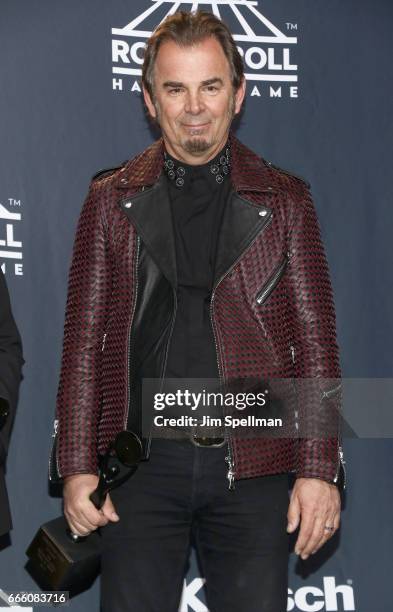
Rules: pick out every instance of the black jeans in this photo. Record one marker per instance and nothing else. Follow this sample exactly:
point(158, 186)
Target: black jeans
point(180, 495)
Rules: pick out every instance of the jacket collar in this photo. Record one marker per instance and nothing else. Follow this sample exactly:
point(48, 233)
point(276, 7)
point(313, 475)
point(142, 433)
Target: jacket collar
point(149, 211)
point(249, 172)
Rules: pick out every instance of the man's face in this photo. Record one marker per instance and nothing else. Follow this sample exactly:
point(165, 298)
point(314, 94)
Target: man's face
point(194, 101)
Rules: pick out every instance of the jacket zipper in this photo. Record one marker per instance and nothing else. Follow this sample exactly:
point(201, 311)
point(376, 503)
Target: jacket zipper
point(340, 452)
point(229, 458)
point(341, 463)
point(327, 394)
point(268, 287)
point(292, 349)
point(53, 455)
point(125, 422)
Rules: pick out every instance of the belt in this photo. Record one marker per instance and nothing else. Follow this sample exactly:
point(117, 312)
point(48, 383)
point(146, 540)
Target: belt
point(204, 441)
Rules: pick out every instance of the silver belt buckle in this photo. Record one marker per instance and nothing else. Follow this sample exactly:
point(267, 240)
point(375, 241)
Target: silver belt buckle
point(207, 441)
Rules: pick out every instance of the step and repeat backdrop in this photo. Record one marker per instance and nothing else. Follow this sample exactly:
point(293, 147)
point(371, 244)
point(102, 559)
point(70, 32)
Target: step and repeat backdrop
point(318, 103)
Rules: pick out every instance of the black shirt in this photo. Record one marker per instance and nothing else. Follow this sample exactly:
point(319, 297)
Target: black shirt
point(197, 204)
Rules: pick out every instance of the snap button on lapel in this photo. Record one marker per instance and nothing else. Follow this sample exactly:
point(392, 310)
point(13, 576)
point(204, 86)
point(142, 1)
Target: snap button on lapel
point(263, 213)
point(128, 205)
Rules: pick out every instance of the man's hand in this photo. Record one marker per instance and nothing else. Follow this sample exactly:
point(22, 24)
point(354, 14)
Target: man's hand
point(81, 514)
point(318, 504)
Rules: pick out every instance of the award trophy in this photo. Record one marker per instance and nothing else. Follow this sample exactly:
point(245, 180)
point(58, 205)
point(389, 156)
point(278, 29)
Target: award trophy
point(62, 561)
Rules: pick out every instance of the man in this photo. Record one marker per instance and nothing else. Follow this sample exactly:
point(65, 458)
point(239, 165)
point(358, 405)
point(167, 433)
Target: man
point(196, 259)
point(11, 361)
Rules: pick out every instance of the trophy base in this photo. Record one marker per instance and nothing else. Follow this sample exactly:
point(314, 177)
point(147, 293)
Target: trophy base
point(58, 564)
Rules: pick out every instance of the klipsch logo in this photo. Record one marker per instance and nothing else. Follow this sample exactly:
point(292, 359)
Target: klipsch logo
point(331, 597)
point(10, 247)
point(266, 50)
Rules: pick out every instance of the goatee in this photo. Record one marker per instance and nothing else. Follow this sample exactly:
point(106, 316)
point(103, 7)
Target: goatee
point(196, 145)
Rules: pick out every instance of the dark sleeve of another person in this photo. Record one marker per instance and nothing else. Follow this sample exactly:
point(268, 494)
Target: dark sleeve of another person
point(11, 361)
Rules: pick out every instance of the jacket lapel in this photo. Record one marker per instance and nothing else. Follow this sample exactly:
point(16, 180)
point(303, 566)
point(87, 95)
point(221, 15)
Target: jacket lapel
point(241, 223)
point(246, 213)
point(150, 213)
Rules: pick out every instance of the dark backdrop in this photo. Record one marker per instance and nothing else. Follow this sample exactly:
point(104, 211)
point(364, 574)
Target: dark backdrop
point(66, 111)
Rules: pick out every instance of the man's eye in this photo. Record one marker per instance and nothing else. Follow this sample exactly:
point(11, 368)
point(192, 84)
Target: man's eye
point(211, 88)
point(175, 90)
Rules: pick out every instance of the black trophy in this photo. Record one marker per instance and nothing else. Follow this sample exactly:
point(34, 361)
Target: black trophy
point(62, 561)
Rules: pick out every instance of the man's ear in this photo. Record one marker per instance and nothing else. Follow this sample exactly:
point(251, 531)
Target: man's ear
point(149, 102)
point(239, 95)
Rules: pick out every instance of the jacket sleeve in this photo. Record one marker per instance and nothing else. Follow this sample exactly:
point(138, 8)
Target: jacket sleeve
point(78, 398)
point(11, 361)
point(316, 354)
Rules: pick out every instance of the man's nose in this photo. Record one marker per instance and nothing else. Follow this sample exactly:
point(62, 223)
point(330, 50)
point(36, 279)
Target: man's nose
point(194, 103)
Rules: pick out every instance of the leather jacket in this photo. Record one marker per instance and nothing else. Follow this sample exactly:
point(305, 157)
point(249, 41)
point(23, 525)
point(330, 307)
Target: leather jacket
point(272, 311)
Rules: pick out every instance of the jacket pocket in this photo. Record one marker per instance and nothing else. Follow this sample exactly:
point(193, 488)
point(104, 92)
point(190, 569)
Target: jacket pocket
point(272, 281)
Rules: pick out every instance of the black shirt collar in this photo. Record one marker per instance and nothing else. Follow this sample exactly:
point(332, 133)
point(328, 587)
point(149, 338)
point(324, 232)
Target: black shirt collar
point(214, 171)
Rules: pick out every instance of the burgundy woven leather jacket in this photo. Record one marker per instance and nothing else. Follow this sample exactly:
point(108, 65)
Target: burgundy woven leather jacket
point(272, 310)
